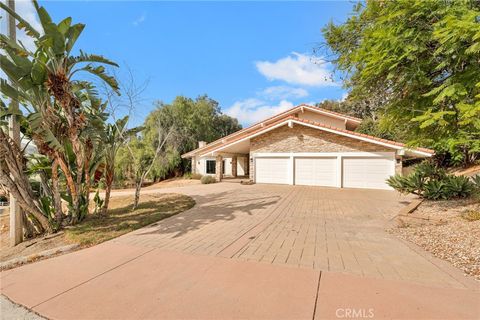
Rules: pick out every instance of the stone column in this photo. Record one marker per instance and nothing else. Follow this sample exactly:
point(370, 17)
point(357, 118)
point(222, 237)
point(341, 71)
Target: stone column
point(251, 168)
point(398, 165)
point(246, 165)
point(218, 168)
point(194, 163)
point(234, 166)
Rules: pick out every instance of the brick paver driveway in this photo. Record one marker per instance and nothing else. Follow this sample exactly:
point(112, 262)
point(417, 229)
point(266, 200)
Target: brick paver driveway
point(252, 252)
point(340, 230)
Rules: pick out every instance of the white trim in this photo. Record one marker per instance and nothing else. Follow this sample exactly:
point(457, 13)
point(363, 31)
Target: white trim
point(362, 138)
point(322, 154)
point(243, 139)
point(340, 171)
point(283, 114)
point(342, 133)
point(291, 170)
point(331, 114)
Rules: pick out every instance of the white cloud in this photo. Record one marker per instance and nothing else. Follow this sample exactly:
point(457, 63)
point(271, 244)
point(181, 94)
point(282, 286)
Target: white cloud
point(140, 19)
point(344, 97)
point(297, 69)
point(26, 10)
point(283, 92)
point(254, 110)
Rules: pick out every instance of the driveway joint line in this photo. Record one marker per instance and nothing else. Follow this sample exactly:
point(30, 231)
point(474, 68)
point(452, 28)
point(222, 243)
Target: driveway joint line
point(90, 279)
point(317, 294)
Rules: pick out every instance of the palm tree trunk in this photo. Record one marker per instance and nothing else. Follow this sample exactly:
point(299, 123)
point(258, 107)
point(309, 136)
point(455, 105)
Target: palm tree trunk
point(72, 187)
point(12, 165)
point(57, 200)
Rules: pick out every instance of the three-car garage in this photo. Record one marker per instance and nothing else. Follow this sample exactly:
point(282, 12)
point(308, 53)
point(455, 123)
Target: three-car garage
point(342, 170)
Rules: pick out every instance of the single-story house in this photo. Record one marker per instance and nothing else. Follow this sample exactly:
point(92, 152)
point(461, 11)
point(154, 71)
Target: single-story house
point(305, 145)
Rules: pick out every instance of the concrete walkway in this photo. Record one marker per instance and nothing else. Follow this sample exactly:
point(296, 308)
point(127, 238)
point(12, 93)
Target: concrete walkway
point(256, 252)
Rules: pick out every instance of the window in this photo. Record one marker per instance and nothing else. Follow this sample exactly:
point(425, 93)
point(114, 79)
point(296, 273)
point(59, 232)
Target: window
point(210, 167)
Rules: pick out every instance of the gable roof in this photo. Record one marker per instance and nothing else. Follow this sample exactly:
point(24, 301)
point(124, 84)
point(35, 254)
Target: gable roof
point(270, 120)
point(352, 134)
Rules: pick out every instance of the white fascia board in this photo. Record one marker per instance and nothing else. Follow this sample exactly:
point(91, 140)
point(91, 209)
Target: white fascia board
point(324, 154)
point(332, 115)
point(246, 138)
point(389, 145)
point(363, 138)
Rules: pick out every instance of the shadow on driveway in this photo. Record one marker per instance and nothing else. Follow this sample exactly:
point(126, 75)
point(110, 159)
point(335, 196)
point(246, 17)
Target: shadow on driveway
point(210, 208)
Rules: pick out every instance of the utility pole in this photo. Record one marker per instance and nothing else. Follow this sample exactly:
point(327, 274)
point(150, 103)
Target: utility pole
point(16, 219)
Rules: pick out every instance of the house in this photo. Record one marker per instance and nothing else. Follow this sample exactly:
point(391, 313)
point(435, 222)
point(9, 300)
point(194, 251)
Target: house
point(305, 145)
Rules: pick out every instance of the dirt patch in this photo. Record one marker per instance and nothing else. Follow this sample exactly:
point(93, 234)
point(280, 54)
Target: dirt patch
point(173, 183)
point(170, 183)
point(447, 230)
point(99, 228)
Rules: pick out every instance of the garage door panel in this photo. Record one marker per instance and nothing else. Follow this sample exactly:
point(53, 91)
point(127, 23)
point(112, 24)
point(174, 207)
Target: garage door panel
point(370, 173)
point(272, 170)
point(315, 171)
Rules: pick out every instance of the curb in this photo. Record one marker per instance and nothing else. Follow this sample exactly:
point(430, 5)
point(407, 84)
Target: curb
point(37, 256)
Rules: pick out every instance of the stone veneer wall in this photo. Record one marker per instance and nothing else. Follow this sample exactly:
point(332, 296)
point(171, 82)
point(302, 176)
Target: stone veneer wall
point(305, 139)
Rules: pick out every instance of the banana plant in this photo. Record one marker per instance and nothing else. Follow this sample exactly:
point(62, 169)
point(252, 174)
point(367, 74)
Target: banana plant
point(117, 135)
point(62, 112)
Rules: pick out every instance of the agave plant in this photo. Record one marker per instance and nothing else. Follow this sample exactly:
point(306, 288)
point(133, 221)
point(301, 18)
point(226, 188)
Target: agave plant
point(62, 113)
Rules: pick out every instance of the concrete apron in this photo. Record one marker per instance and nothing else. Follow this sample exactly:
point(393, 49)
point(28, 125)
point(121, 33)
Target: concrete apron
point(119, 281)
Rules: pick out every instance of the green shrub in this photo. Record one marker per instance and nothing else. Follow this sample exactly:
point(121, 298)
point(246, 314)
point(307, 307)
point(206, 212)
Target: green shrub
point(435, 190)
point(187, 175)
point(207, 179)
point(459, 186)
point(431, 182)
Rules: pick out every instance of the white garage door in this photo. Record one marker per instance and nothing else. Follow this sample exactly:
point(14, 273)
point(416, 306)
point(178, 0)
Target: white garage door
point(368, 173)
point(316, 171)
point(272, 170)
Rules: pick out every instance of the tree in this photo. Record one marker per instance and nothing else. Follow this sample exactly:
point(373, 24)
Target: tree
point(117, 134)
point(140, 156)
point(61, 112)
point(194, 120)
point(418, 64)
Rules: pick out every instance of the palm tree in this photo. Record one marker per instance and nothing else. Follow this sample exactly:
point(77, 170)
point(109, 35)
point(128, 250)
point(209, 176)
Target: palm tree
point(62, 113)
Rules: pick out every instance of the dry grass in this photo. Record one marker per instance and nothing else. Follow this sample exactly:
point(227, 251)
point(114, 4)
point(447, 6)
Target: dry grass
point(99, 228)
point(471, 215)
point(121, 219)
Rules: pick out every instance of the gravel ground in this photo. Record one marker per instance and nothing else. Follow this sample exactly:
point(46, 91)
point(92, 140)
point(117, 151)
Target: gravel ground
point(447, 235)
point(13, 311)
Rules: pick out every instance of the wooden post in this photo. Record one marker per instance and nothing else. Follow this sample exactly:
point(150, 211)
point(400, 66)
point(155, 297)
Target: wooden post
point(16, 221)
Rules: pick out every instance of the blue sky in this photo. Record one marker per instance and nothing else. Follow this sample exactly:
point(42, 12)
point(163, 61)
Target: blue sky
point(252, 57)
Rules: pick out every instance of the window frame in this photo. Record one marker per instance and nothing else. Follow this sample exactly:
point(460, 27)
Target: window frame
point(207, 167)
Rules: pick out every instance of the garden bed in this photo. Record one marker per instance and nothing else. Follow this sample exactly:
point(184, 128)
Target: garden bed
point(99, 228)
point(449, 229)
